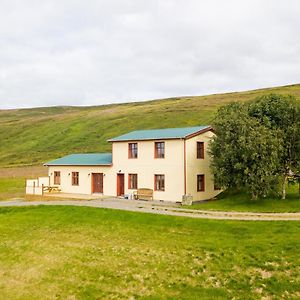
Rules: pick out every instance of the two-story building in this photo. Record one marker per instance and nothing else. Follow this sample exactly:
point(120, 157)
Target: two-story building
point(173, 162)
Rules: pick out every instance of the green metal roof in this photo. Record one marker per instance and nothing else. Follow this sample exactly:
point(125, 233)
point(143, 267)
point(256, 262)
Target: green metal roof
point(154, 134)
point(88, 159)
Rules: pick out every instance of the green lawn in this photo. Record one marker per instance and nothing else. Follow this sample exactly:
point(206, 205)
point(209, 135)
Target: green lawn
point(12, 187)
point(88, 253)
point(238, 201)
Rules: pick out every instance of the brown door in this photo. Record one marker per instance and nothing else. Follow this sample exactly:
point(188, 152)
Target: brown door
point(120, 184)
point(97, 183)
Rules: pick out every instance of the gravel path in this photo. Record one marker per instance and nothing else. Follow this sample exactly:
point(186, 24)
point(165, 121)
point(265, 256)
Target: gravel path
point(162, 208)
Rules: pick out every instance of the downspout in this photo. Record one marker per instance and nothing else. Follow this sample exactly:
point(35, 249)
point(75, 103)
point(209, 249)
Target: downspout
point(184, 172)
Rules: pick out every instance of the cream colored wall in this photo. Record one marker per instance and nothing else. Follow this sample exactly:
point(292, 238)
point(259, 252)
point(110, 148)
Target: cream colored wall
point(172, 166)
point(85, 180)
point(199, 166)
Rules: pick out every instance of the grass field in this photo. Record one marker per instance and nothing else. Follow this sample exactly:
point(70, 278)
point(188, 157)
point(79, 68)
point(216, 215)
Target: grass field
point(239, 201)
point(86, 253)
point(33, 136)
point(12, 188)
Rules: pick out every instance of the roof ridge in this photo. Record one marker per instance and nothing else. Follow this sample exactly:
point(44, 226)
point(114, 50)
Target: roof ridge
point(160, 133)
point(171, 128)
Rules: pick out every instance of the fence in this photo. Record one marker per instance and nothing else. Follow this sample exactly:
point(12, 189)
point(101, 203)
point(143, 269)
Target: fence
point(37, 186)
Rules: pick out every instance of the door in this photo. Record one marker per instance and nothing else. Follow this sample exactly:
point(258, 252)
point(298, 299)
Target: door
point(120, 184)
point(97, 182)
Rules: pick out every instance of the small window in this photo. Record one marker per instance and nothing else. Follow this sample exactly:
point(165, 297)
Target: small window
point(75, 178)
point(159, 182)
point(159, 150)
point(56, 177)
point(200, 183)
point(132, 150)
point(132, 181)
point(200, 150)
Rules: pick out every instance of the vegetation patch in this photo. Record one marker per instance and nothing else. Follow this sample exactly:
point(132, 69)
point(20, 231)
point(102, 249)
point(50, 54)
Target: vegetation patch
point(233, 200)
point(12, 188)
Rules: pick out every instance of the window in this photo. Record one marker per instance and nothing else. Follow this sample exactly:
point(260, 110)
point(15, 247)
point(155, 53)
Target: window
point(75, 178)
point(200, 183)
point(159, 182)
point(132, 150)
point(159, 150)
point(132, 181)
point(200, 150)
point(56, 177)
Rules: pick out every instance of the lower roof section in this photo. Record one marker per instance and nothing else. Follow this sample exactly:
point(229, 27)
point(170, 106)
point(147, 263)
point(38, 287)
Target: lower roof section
point(86, 159)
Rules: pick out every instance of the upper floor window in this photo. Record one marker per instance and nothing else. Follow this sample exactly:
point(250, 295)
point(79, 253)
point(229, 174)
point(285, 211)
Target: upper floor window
point(200, 150)
point(159, 182)
point(75, 178)
point(200, 183)
point(56, 177)
point(132, 150)
point(159, 150)
point(132, 181)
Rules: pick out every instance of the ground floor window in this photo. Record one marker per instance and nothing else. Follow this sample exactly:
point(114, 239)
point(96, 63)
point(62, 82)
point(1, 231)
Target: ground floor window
point(56, 177)
point(75, 178)
point(159, 182)
point(132, 181)
point(200, 183)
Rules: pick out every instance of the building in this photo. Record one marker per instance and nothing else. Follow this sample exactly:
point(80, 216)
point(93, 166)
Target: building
point(172, 162)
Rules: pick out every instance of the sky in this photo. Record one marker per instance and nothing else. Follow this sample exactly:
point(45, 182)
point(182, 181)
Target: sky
point(93, 52)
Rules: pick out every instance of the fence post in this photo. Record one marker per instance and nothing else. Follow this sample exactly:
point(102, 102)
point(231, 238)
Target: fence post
point(33, 192)
point(42, 189)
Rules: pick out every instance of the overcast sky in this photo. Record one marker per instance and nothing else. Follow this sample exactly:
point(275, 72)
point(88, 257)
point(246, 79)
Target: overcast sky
point(90, 52)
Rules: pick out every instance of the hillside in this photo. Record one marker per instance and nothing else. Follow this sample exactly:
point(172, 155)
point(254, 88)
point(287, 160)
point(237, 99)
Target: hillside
point(33, 136)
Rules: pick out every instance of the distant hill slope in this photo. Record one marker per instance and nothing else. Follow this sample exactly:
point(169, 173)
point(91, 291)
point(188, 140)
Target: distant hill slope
point(32, 136)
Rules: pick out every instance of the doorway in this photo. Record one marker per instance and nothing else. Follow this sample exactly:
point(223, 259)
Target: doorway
point(120, 184)
point(97, 183)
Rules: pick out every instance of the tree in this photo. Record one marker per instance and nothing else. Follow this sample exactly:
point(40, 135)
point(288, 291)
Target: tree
point(281, 113)
point(245, 153)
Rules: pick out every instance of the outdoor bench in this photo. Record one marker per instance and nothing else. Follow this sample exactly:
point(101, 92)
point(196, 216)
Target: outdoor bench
point(144, 194)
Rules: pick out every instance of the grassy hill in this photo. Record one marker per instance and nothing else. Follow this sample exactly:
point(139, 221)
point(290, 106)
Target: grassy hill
point(32, 136)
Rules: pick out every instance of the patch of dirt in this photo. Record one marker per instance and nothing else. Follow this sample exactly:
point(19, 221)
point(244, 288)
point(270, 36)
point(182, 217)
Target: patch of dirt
point(261, 272)
point(28, 172)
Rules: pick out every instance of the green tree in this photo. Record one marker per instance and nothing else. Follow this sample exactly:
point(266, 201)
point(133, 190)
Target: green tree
point(245, 153)
point(281, 113)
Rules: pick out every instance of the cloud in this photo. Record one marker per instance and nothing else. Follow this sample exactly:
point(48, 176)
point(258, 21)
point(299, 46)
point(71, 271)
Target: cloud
point(94, 52)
